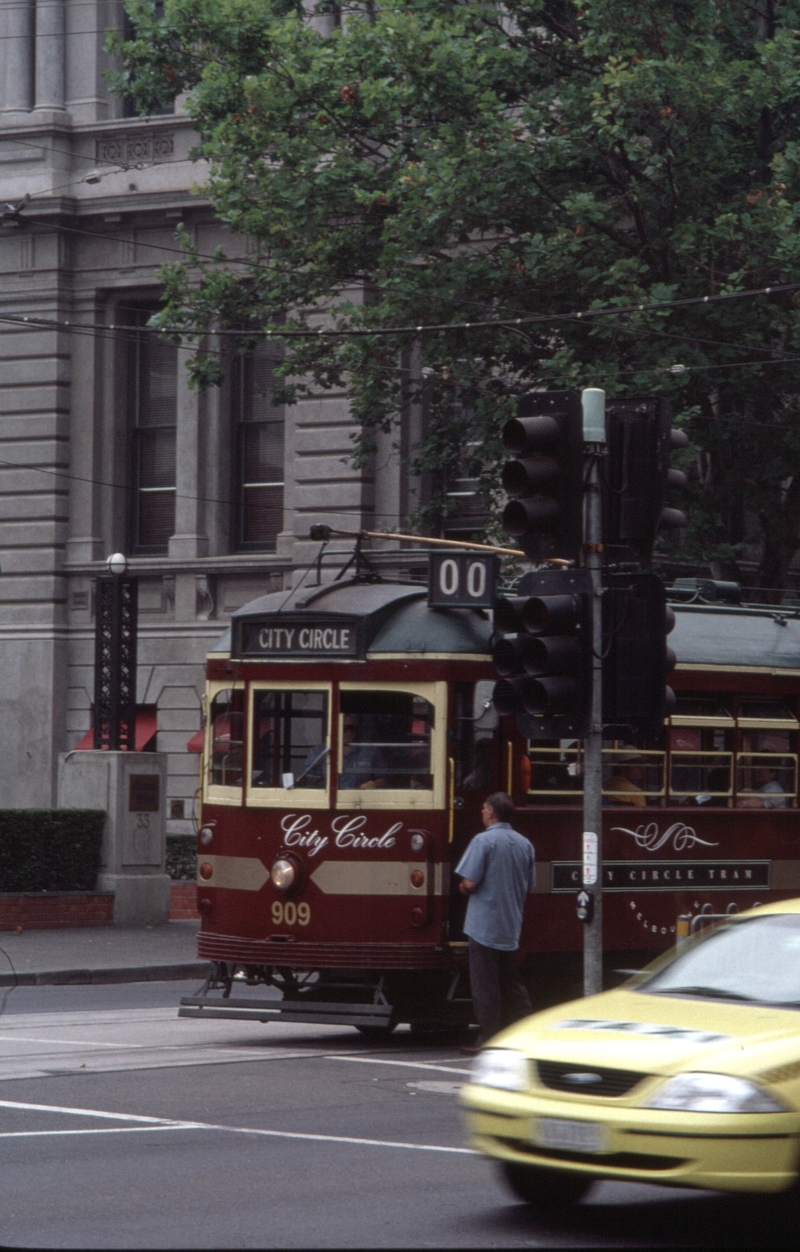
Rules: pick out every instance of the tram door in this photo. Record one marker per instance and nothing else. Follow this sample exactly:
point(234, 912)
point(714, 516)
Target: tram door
point(474, 750)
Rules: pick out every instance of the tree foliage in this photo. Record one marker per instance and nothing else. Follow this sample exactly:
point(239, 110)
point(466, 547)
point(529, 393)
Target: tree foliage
point(443, 161)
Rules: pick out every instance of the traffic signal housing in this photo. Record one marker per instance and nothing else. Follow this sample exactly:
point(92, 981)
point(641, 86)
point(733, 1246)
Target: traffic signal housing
point(545, 480)
point(640, 438)
point(636, 658)
point(543, 654)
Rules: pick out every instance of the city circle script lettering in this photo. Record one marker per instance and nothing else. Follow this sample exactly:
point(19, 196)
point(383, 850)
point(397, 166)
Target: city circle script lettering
point(346, 832)
point(651, 838)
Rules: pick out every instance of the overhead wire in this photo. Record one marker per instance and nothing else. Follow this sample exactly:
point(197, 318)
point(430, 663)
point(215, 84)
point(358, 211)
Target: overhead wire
point(439, 327)
point(132, 488)
point(43, 229)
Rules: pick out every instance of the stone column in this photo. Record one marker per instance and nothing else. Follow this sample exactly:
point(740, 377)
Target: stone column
point(190, 539)
point(17, 83)
point(50, 45)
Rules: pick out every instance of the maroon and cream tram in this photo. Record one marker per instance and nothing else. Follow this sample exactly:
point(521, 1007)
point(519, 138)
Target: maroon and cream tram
point(350, 742)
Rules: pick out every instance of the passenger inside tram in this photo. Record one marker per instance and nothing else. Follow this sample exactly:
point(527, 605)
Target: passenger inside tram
point(767, 792)
point(386, 741)
point(364, 767)
point(627, 782)
point(717, 783)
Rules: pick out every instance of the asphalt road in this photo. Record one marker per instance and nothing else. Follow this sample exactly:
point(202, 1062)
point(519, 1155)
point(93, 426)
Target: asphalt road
point(122, 1126)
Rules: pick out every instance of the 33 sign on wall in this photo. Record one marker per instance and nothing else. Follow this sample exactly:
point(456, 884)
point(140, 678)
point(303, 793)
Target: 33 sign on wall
point(464, 580)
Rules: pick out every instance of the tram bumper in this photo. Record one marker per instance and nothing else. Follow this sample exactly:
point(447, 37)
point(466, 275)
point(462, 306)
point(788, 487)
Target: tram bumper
point(317, 1012)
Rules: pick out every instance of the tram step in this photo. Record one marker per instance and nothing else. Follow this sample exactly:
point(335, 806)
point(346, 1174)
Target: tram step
point(317, 1012)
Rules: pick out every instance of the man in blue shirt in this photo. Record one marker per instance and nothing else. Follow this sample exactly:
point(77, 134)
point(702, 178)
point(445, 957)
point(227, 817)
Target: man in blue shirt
point(497, 872)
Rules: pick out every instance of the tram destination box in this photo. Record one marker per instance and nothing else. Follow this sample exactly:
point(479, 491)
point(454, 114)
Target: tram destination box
point(309, 635)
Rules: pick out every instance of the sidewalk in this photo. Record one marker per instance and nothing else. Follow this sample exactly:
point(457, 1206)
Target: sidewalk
point(100, 954)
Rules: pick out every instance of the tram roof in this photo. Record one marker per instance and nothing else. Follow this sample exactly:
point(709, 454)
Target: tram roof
point(394, 618)
point(398, 620)
point(745, 638)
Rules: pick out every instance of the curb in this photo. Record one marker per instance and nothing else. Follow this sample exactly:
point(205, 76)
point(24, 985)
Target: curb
point(125, 973)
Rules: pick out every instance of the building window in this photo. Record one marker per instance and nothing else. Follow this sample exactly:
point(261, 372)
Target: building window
point(466, 517)
point(129, 32)
point(153, 407)
point(259, 425)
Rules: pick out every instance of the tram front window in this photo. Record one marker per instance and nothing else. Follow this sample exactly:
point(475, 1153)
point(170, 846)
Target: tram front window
point(290, 739)
point(385, 741)
point(227, 724)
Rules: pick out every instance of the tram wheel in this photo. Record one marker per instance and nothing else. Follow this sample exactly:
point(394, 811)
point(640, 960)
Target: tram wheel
point(546, 1188)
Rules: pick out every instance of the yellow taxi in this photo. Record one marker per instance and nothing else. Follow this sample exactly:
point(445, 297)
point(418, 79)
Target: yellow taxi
point(688, 1075)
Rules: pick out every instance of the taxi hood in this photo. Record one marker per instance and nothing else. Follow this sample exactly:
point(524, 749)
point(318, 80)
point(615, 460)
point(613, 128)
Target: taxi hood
point(659, 1034)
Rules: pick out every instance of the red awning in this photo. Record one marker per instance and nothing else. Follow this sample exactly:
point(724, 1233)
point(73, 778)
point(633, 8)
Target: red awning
point(146, 728)
point(197, 741)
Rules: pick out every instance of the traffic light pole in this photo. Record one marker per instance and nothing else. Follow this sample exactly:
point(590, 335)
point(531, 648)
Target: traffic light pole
point(594, 436)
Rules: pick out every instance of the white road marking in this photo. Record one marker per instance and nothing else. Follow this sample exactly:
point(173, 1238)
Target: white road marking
point(369, 1143)
point(73, 1112)
point(104, 1130)
point(163, 1123)
point(70, 1043)
point(438, 1088)
point(368, 1060)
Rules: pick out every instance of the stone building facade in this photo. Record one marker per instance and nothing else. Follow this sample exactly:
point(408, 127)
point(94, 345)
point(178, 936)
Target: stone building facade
point(103, 446)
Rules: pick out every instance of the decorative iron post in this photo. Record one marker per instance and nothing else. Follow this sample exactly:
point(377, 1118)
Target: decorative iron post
point(115, 658)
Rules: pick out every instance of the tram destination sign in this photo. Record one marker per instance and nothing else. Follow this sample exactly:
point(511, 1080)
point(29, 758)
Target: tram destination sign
point(462, 580)
point(297, 637)
point(666, 875)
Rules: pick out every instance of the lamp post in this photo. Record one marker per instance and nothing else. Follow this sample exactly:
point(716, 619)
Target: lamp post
point(115, 658)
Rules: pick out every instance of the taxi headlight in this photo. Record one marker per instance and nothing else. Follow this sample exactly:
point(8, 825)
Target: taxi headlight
point(501, 1067)
point(713, 1093)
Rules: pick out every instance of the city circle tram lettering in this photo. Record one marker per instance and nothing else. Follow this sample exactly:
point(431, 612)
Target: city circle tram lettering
point(666, 875)
point(288, 638)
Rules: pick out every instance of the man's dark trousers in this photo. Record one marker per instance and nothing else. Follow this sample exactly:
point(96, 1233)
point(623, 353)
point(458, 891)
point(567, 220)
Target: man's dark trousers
point(498, 995)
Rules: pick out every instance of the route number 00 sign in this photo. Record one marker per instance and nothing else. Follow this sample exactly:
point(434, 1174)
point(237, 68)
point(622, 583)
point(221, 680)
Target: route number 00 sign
point(462, 580)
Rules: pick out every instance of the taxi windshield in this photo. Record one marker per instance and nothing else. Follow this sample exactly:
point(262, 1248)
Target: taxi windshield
point(757, 959)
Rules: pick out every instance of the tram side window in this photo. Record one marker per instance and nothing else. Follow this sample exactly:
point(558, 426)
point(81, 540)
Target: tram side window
point(555, 774)
point(385, 741)
point(766, 765)
point(631, 775)
point(227, 727)
point(290, 737)
point(701, 740)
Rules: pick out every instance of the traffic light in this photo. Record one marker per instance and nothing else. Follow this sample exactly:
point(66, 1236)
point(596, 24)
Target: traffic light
point(543, 654)
point(636, 658)
point(545, 512)
point(640, 438)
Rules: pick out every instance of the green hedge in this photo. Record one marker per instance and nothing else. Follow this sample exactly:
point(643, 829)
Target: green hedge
point(182, 857)
point(50, 849)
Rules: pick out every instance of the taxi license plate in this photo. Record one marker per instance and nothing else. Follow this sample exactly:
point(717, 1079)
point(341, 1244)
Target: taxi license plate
point(561, 1132)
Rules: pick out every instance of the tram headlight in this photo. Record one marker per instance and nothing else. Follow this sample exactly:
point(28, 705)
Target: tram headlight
point(283, 874)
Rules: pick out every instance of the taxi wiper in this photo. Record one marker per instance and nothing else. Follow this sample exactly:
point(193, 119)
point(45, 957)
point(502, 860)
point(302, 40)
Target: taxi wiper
point(715, 993)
